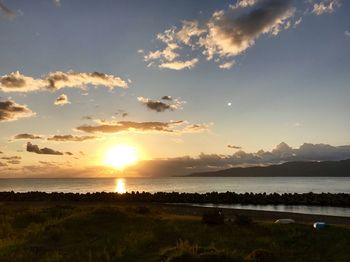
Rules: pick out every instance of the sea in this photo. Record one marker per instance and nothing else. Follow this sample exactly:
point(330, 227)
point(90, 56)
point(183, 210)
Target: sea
point(195, 184)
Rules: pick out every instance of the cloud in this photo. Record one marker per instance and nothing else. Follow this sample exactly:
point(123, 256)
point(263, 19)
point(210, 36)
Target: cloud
point(27, 136)
point(47, 151)
point(17, 82)
point(325, 6)
point(11, 111)
point(69, 153)
point(59, 80)
point(87, 117)
point(71, 138)
point(234, 147)
point(196, 128)
point(167, 98)
point(179, 65)
point(243, 4)
point(298, 22)
point(49, 163)
point(227, 65)
point(172, 127)
point(210, 162)
point(6, 11)
point(10, 158)
point(228, 33)
point(188, 30)
point(128, 126)
point(57, 3)
point(57, 169)
point(2, 164)
point(122, 113)
point(14, 162)
point(59, 138)
point(62, 100)
point(160, 106)
point(187, 164)
point(347, 33)
point(157, 106)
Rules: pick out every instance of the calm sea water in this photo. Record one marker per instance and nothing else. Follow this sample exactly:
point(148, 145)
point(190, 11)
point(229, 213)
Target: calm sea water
point(181, 184)
point(197, 184)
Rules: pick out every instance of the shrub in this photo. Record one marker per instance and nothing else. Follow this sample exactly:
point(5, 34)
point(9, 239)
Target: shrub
point(261, 255)
point(143, 210)
point(213, 217)
point(242, 220)
point(186, 252)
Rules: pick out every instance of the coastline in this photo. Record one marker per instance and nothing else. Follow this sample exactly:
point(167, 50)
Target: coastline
point(259, 215)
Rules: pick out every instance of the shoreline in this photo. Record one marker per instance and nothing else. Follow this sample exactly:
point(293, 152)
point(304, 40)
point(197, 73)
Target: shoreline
point(260, 215)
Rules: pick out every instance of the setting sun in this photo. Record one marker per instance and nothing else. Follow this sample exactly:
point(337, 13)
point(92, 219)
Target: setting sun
point(121, 156)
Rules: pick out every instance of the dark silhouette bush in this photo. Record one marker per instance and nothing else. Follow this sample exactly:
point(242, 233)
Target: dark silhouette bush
point(322, 199)
point(261, 255)
point(213, 217)
point(143, 210)
point(242, 220)
point(186, 252)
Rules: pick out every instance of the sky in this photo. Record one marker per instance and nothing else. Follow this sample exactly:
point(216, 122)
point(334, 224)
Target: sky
point(190, 85)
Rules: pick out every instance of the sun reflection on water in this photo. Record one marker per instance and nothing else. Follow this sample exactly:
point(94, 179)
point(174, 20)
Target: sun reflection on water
point(120, 186)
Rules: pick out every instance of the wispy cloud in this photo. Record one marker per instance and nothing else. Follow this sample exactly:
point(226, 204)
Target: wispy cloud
point(196, 128)
point(71, 138)
point(227, 65)
point(129, 126)
point(325, 6)
point(243, 4)
point(57, 3)
point(14, 162)
point(172, 127)
point(6, 11)
point(27, 136)
point(179, 65)
point(9, 158)
point(87, 118)
point(11, 111)
point(17, 82)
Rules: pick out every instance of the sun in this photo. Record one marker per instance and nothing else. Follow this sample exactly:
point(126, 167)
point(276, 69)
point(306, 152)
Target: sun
point(121, 156)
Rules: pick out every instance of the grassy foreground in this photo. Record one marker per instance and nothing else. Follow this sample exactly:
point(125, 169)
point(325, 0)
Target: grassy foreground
point(69, 231)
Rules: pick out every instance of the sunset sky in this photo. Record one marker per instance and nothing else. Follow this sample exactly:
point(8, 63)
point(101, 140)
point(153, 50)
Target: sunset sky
point(190, 85)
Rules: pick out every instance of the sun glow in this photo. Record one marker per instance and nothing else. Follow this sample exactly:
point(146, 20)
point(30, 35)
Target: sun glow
point(120, 186)
point(121, 156)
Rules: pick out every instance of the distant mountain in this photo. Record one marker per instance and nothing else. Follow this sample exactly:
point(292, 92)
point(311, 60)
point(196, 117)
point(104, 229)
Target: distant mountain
point(288, 169)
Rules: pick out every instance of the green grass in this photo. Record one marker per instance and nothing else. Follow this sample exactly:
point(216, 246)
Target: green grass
point(120, 232)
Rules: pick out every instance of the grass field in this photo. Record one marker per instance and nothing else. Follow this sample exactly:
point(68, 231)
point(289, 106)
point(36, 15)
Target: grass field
point(69, 231)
